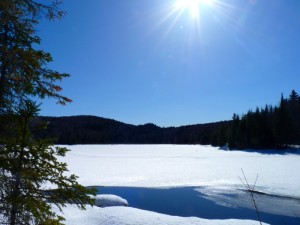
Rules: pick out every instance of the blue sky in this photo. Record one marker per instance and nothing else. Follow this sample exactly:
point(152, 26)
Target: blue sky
point(140, 61)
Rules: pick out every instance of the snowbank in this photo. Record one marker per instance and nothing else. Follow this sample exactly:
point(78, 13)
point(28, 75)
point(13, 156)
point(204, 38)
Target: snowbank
point(110, 200)
point(130, 216)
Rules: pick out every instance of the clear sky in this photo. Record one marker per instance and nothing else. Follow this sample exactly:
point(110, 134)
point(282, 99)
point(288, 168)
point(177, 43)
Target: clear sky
point(173, 62)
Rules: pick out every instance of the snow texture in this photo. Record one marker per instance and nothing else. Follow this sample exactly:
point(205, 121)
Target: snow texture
point(183, 165)
point(110, 200)
point(130, 216)
point(171, 166)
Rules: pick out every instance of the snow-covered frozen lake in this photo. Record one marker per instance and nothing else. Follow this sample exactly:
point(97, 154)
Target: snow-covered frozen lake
point(183, 165)
point(215, 171)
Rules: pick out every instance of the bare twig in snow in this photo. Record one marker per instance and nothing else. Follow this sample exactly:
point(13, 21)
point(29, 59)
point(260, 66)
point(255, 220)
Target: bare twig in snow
point(251, 191)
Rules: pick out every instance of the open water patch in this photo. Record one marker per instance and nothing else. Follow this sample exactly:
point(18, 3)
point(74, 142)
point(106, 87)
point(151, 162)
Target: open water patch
point(203, 203)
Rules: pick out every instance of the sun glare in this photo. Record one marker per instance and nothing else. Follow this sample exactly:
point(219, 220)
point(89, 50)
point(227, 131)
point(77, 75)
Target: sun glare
point(193, 6)
point(190, 16)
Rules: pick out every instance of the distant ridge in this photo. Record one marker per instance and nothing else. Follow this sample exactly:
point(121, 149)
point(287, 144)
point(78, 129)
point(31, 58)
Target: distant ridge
point(268, 127)
point(98, 130)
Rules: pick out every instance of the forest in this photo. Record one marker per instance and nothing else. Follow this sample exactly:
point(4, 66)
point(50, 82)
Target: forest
point(276, 127)
point(97, 130)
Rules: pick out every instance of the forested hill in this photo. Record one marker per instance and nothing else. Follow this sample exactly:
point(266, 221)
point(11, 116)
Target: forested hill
point(266, 127)
point(97, 130)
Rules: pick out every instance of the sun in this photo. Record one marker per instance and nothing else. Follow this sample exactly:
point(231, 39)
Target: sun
point(190, 17)
point(193, 6)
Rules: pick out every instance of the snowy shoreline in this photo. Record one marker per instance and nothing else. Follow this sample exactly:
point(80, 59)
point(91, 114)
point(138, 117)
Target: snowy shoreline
point(167, 166)
point(119, 215)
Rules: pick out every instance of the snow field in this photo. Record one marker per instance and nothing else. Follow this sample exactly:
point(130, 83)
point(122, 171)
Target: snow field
point(182, 165)
point(172, 166)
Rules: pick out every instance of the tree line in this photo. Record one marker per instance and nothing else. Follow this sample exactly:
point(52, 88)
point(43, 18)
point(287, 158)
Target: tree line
point(269, 127)
point(97, 130)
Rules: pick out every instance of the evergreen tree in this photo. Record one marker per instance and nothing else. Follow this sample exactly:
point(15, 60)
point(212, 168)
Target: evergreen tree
point(27, 163)
point(285, 126)
point(294, 97)
point(22, 68)
point(268, 127)
point(294, 112)
point(233, 131)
